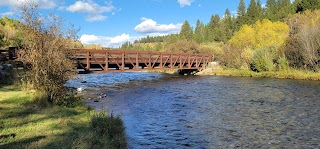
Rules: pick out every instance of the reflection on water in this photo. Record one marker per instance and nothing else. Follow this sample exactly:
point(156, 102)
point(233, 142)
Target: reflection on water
point(216, 112)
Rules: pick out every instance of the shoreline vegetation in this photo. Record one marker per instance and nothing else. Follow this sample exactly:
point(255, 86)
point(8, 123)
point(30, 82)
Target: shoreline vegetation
point(28, 122)
point(283, 74)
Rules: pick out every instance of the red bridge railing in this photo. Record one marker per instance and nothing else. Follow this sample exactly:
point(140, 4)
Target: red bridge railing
point(125, 60)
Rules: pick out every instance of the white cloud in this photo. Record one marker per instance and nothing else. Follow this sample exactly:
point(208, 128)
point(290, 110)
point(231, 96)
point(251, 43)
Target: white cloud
point(96, 17)
point(105, 41)
point(10, 13)
point(149, 26)
point(44, 4)
point(185, 2)
point(94, 11)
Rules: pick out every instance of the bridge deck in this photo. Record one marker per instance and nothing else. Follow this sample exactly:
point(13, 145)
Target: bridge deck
point(125, 60)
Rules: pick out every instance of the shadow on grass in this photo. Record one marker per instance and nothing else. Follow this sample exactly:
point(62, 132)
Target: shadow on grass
point(21, 143)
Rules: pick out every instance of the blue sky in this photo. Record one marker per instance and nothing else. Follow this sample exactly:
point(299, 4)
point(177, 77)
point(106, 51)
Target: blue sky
point(111, 23)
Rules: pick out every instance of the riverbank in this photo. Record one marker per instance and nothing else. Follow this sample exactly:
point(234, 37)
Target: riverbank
point(27, 123)
point(286, 74)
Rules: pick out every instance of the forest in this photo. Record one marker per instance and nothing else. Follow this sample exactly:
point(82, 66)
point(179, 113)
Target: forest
point(276, 36)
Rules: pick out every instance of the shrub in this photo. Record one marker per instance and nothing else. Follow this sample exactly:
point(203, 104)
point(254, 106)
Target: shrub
point(283, 63)
point(46, 48)
point(69, 100)
point(303, 48)
point(231, 57)
point(6, 74)
point(215, 48)
point(108, 128)
point(184, 45)
point(247, 56)
point(263, 60)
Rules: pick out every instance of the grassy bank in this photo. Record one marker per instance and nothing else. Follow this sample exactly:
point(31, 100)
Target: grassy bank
point(25, 123)
point(287, 74)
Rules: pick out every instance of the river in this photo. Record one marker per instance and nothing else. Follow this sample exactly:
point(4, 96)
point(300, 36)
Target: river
point(165, 111)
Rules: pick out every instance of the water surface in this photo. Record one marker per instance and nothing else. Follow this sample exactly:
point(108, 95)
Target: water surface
point(161, 111)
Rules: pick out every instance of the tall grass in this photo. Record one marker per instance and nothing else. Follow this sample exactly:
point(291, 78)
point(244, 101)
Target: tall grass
point(290, 73)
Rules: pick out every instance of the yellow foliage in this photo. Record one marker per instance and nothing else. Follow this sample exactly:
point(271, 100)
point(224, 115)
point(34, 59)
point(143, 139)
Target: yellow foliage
point(94, 46)
point(247, 55)
point(261, 34)
point(245, 37)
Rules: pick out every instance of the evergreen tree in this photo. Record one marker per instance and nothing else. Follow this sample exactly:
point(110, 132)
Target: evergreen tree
point(186, 31)
point(285, 9)
point(199, 32)
point(212, 28)
point(253, 12)
point(303, 5)
point(271, 10)
point(241, 15)
point(241, 8)
point(260, 10)
point(214, 21)
point(227, 26)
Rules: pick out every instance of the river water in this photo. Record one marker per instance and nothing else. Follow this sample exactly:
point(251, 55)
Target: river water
point(164, 111)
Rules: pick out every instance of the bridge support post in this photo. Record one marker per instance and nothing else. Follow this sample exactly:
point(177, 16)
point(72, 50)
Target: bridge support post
point(122, 61)
point(196, 61)
point(180, 61)
point(88, 61)
point(161, 61)
point(149, 64)
point(171, 63)
point(189, 61)
point(137, 61)
point(106, 67)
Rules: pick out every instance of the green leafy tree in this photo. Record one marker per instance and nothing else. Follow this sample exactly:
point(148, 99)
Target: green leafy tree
point(9, 32)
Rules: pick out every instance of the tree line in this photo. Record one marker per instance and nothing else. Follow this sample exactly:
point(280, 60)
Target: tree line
point(259, 37)
point(221, 29)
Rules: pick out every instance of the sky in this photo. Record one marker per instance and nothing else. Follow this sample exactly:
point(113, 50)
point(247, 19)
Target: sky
point(110, 23)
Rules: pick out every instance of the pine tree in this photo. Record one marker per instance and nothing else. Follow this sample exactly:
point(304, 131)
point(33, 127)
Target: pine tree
point(260, 10)
point(211, 28)
point(241, 8)
point(199, 32)
point(241, 15)
point(253, 12)
point(285, 8)
point(303, 5)
point(227, 26)
point(186, 31)
point(271, 10)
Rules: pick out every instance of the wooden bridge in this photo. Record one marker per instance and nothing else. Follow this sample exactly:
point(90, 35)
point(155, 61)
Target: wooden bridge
point(125, 60)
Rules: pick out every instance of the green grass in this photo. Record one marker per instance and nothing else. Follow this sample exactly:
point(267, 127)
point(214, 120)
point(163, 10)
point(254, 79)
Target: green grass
point(285, 74)
point(50, 126)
